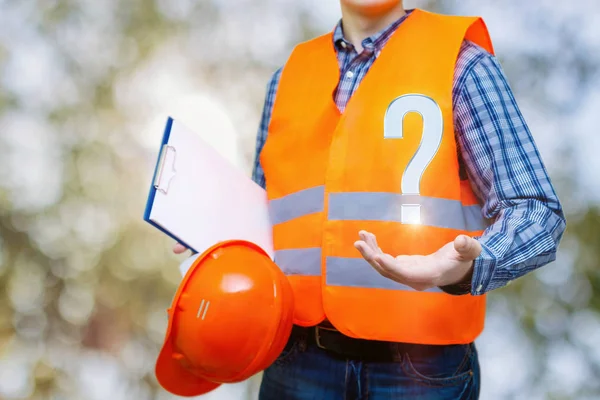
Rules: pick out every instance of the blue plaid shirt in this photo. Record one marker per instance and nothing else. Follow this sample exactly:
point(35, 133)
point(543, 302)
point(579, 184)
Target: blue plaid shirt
point(497, 153)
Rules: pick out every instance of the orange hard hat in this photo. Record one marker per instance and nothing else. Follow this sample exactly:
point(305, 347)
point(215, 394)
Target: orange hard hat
point(230, 319)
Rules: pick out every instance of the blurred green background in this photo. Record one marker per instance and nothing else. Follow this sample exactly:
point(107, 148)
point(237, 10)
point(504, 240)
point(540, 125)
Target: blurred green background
point(85, 88)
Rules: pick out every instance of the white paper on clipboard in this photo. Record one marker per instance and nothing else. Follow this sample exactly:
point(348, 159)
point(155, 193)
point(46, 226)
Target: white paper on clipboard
point(201, 199)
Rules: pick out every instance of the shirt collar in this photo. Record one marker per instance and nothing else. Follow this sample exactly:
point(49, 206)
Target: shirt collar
point(374, 42)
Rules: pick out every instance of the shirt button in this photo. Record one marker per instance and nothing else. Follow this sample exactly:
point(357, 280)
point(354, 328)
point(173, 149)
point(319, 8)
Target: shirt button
point(349, 74)
point(478, 290)
point(343, 44)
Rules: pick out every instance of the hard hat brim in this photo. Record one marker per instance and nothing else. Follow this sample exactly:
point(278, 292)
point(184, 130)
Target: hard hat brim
point(177, 380)
point(169, 372)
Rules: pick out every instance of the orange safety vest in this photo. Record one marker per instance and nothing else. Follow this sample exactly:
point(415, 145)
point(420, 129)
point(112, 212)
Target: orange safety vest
point(381, 167)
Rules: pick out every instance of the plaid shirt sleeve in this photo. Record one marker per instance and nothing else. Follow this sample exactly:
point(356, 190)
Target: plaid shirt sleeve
point(507, 174)
point(258, 175)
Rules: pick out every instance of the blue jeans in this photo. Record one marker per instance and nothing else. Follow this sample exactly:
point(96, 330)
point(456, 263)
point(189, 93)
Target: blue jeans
point(305, 372)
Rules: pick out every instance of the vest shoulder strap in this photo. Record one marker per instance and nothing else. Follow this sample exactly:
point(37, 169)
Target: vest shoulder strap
point(474, 27)
point(311, 61)
point(320, 43)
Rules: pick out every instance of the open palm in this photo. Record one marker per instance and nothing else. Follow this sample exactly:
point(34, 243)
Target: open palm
point(449, 265)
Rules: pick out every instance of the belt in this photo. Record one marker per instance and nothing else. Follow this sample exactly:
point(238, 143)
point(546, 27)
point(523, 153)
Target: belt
point(329, 339)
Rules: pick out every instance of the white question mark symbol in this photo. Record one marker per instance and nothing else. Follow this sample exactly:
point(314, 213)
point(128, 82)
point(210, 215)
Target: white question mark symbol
point(433, 128)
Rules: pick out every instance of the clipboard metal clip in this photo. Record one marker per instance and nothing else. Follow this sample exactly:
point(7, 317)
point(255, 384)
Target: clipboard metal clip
point(165, 169)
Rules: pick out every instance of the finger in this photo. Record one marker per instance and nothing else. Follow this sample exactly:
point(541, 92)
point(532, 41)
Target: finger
point(386, 266)
point(364, 237)
point(389, 263)
point(368, 253)
point(365, 250)
point(179, 248)
point(467, 247)
point(370, 239)
point(373, 242)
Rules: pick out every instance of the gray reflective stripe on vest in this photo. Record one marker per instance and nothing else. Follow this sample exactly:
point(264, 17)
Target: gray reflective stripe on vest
point(341, 271)
point(358, 272)
point(306, 262)
point(303, 202)
point(368, 206)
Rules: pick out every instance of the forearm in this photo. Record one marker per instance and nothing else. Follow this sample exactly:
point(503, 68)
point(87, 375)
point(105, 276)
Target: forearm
point(524, 237)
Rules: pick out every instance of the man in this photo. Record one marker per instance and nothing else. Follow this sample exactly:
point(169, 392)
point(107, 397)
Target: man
point(396, 139)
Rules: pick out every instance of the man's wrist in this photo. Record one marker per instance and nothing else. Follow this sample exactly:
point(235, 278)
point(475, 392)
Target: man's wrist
point(462, 287)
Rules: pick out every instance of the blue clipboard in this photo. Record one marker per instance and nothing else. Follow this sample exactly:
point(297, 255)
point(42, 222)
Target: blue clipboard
point(199, 198)
point(154, 187)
